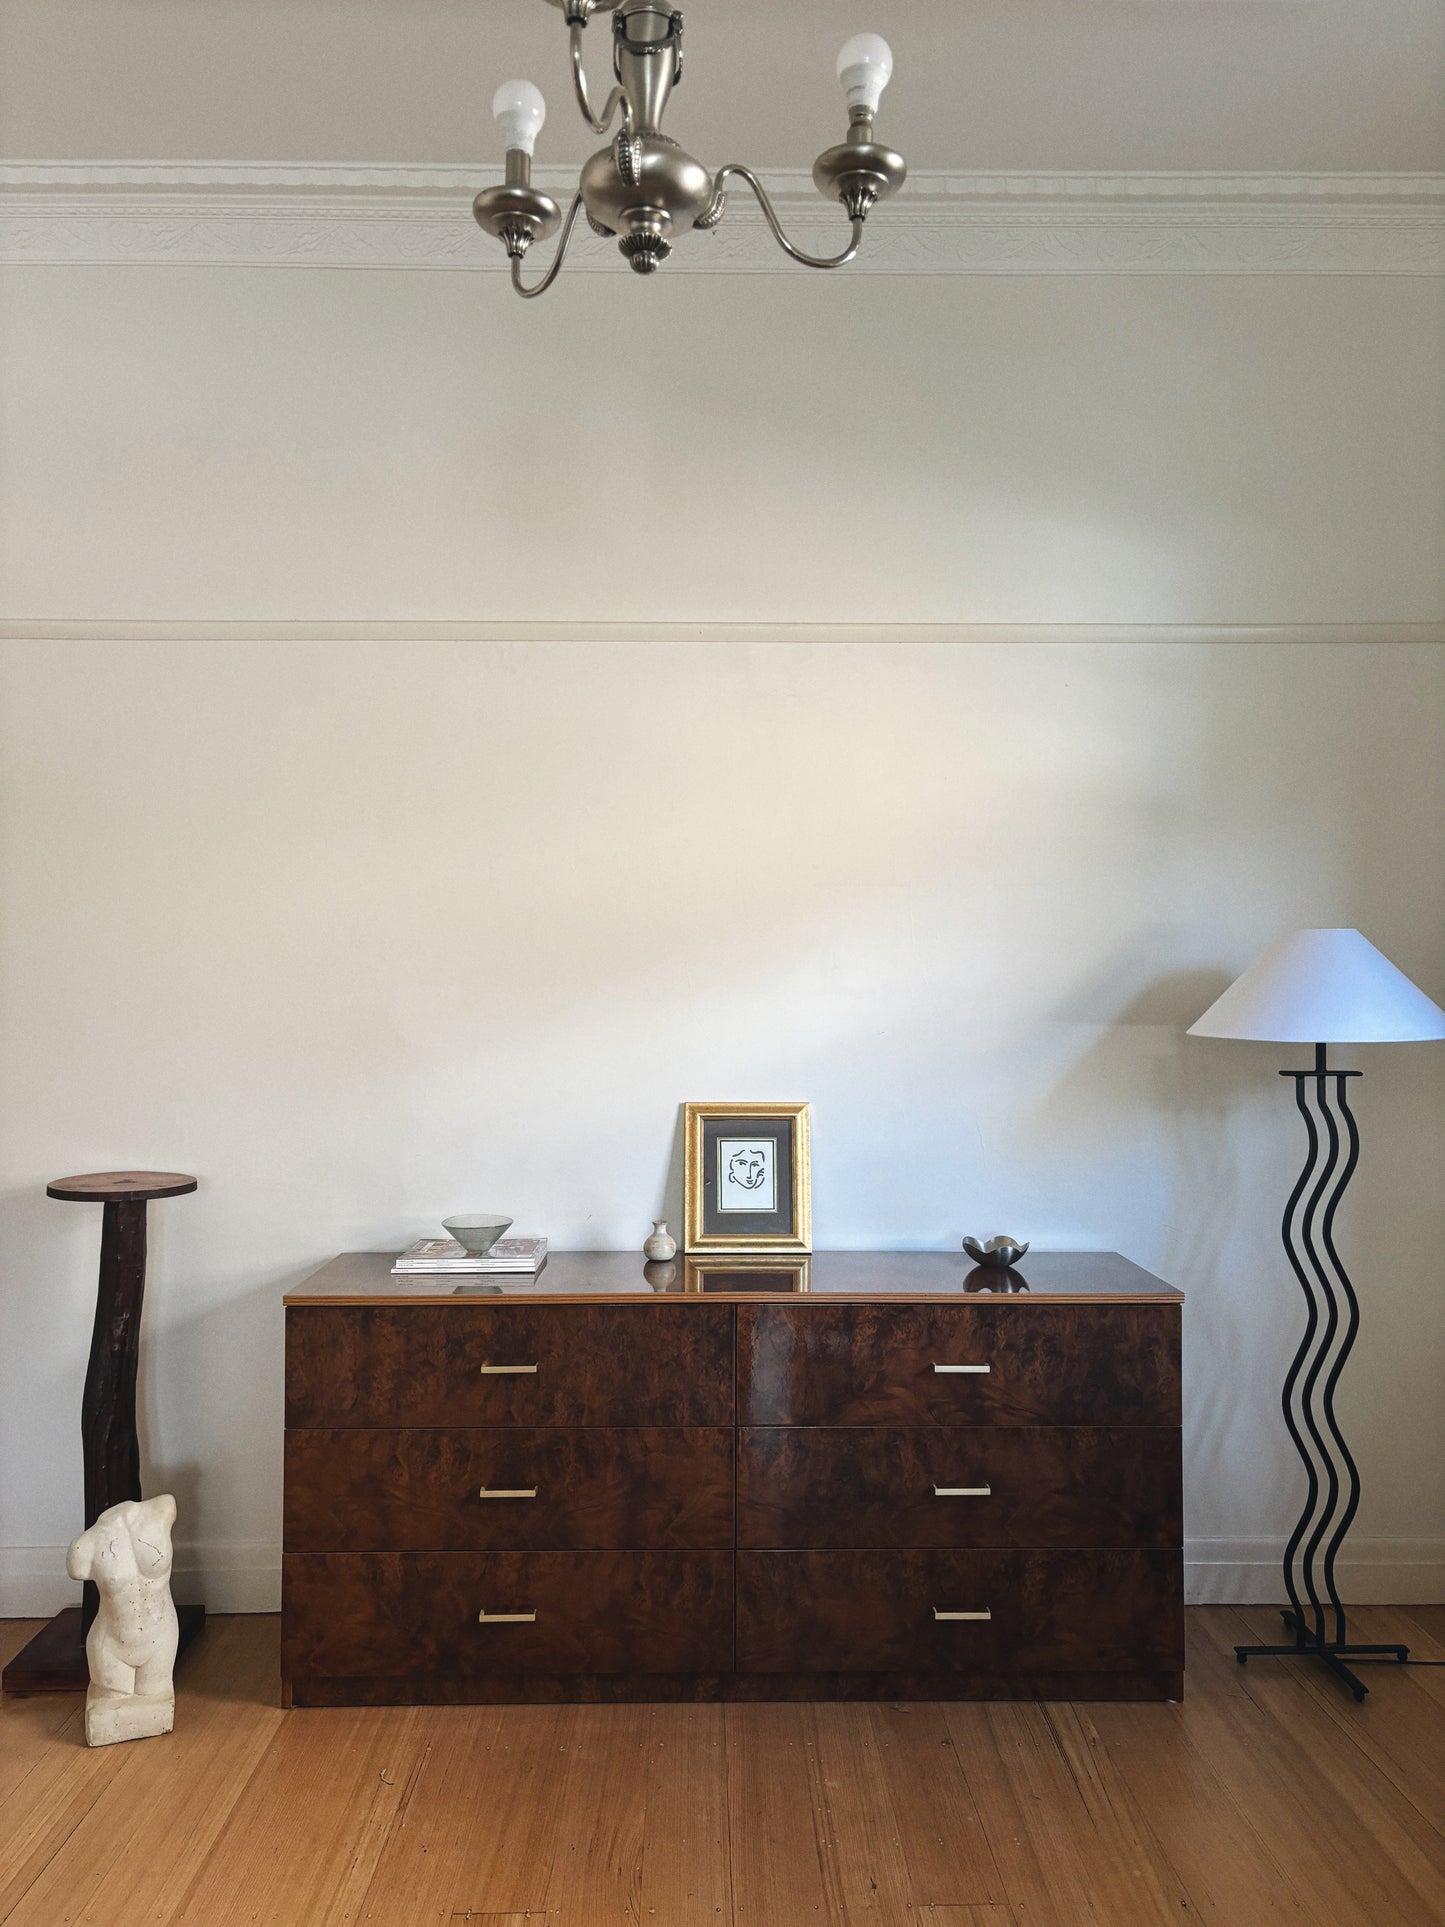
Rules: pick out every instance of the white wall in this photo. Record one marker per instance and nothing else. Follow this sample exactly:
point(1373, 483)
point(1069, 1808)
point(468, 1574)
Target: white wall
point(365, 931)
point(218, 444)
point(363, 934)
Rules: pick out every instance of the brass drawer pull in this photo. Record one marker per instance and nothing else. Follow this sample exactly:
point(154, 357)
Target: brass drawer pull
point(962, 1368)
point(507, 1371)
point(485, 1618)
point(963, 1492)
point(508, 1492)
point(939, 1613)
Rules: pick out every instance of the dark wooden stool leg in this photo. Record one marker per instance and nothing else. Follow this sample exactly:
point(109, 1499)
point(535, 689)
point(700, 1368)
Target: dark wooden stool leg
point(54, 1661)
point(108, 1435)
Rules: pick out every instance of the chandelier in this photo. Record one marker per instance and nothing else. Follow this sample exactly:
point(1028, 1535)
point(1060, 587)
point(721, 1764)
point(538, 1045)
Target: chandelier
point(643, 190)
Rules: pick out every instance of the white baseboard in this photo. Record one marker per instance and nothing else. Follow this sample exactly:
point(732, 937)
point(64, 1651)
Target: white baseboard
point(244, 1577)
point(1373, 1572)
point(236, 1577)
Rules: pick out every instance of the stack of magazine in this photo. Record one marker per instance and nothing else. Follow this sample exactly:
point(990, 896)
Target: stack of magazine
point(444, 1257)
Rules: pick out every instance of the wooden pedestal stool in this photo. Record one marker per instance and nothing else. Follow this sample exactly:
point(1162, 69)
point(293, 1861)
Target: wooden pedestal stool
point(54, 1661)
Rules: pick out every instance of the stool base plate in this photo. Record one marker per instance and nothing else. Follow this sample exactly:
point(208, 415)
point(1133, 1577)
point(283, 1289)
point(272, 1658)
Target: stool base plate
point(54, 1660)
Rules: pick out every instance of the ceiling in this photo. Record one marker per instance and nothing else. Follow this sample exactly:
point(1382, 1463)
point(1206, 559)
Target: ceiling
point(1255, 85)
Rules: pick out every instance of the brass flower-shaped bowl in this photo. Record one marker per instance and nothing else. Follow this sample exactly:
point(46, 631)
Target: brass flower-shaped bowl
point(999, 1254)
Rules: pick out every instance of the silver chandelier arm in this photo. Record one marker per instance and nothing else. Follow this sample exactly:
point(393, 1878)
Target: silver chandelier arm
point(541, 287)
point(714, 215)
point(599, 123)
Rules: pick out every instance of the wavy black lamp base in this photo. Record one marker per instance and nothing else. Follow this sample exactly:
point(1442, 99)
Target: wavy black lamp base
point(1331, 1655)
point(1332, 1320)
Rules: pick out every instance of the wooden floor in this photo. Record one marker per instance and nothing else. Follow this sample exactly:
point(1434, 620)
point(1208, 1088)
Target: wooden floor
point(1269, 1796)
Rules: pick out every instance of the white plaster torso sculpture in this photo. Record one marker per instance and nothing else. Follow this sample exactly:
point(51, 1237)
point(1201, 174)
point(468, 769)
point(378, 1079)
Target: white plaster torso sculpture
point(131, 1648)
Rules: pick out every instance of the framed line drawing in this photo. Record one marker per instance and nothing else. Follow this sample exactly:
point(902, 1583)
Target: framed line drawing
point(747, 1178)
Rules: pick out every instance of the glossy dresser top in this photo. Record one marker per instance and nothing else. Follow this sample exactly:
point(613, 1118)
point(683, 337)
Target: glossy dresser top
point(838, 1277)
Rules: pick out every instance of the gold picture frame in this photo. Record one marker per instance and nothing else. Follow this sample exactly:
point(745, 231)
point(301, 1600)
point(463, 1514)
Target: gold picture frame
point(742, 1190)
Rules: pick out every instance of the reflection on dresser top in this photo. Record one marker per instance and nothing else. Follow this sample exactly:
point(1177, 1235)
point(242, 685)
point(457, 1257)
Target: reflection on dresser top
point(590, 1277)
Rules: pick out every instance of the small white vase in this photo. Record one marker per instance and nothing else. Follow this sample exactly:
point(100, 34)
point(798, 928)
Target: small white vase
point(660, 1247)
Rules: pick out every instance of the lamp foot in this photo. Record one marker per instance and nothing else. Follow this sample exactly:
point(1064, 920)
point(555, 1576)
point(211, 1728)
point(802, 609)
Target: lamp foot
point(1330, 1653)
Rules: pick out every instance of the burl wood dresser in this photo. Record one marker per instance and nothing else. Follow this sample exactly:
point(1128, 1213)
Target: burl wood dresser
point(629, 1482)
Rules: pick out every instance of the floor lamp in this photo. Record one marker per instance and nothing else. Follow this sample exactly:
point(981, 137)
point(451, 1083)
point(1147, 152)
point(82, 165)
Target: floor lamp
point(1322, 987)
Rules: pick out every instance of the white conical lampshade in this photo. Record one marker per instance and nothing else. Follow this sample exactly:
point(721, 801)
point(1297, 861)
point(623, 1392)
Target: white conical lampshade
point(1323, 987)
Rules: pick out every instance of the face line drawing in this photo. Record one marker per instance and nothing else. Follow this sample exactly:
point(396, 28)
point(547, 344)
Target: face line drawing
point(748, 1169)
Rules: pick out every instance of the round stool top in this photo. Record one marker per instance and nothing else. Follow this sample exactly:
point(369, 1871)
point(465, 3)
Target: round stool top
point(121, 1187)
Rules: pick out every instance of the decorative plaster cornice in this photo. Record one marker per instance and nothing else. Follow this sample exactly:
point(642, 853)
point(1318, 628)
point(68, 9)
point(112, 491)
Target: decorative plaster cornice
point(201, 629)
point(110, 213)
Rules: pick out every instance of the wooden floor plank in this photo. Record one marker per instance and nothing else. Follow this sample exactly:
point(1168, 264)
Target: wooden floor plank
point(1423, 1630)
point(1351, 1752)
point(1033, 1815)
point(31, 1729)
point(1263, 1734)
point(63, 1780)
point(475, 1834)
point(686, 1858)
point(300, 1844)
point(1124, 1847)
point(504, 1920)
point(129, 1860)
point(876, 1791)
point(783, 1860)
point(1401, 1728)
point(870, 1867)
point(597, 1815)
point(906, 1828)
point(968, 1917)
point(1224, 1866)
point(1431, 1621)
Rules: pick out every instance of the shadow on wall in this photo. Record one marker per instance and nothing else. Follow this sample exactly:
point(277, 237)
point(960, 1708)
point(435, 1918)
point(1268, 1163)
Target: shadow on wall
point(46, 1315)
point(230, 1320)
point(1278, 824)
point(674, 1184)
point(1142, 1073)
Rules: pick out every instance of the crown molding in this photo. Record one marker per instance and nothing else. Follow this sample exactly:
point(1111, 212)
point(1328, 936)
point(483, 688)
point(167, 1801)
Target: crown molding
point(1120, 634)
point(271, 214)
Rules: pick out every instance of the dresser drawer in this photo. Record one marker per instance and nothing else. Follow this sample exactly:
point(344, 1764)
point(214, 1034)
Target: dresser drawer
point(418, 1489)
point(875, 1612)
point(408, 1614)
point(929, 1485)
point(976, 1364)
point(489, 1364)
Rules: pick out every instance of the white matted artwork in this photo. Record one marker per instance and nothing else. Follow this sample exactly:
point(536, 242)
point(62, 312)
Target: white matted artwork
point(747, 1174)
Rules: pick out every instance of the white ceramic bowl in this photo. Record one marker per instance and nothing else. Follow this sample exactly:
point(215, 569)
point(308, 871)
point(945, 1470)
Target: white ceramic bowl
point(477, 1233)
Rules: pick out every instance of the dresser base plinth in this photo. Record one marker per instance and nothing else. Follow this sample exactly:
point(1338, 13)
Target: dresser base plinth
point(603, 1689)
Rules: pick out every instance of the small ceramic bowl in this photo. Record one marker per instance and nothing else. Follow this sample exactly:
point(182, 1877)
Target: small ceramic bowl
point(477, 1234)
point(999, 1254)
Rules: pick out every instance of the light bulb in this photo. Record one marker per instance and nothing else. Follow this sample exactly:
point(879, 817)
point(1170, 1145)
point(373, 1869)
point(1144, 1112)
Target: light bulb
point(520, 112)
point(865, 67)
